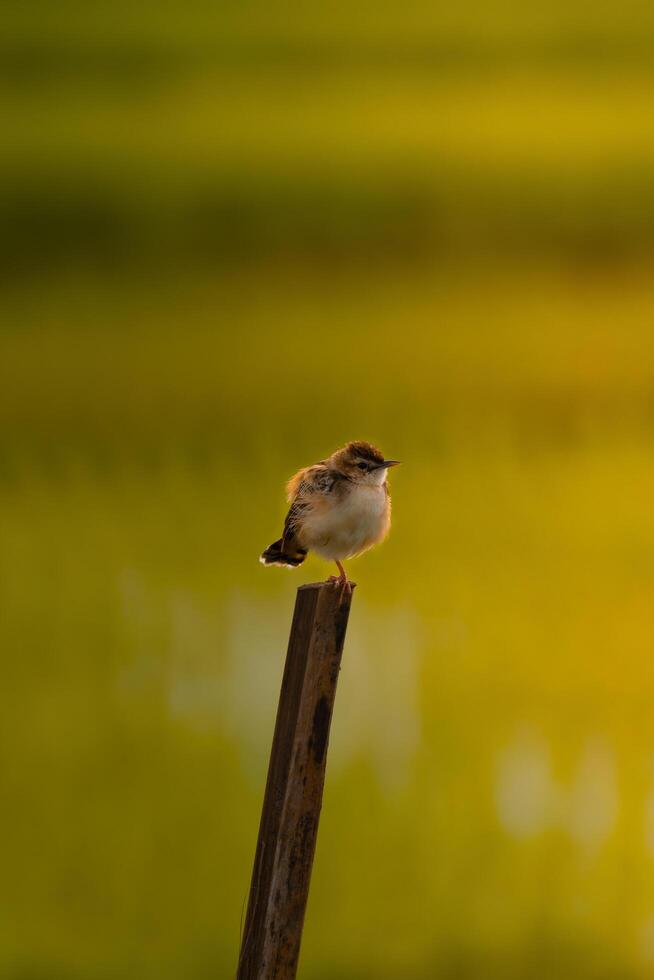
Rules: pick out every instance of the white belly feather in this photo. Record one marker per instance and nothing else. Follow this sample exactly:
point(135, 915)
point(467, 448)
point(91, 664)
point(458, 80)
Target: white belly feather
point(350, 525)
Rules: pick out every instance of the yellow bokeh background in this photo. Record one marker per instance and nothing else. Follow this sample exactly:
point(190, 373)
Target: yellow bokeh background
point(235, 236)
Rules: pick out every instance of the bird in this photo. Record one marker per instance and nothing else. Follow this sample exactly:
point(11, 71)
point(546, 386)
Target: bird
point(340, 507)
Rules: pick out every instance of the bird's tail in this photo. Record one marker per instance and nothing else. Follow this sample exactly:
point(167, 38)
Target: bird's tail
point(289, 557)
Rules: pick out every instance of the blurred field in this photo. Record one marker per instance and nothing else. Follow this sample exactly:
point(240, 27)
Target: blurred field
point(234, 239)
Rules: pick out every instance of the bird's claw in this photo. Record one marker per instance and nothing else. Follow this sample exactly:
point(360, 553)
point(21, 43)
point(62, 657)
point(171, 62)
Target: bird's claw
point(345, 584)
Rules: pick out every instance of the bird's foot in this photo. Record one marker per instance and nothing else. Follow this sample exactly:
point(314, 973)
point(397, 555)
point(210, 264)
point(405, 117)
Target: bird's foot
point(344, 583)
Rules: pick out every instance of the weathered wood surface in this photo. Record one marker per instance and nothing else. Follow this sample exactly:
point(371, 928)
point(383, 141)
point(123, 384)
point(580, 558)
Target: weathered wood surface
point(272, 933)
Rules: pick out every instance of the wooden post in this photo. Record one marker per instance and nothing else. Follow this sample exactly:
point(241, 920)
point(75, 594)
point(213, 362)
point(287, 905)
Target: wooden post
point(279, 889)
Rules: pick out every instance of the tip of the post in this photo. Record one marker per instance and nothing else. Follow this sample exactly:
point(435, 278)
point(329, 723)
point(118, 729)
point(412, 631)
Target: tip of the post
point(322, 585)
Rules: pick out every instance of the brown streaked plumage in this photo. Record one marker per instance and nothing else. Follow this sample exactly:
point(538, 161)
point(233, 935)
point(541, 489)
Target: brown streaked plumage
point(340, 507)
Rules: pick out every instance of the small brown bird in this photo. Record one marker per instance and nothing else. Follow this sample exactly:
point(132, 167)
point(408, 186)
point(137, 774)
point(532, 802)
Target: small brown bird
point(340, 507)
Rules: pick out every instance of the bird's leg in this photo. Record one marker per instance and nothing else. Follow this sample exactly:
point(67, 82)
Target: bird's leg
point(342, 580)
point(341, 577)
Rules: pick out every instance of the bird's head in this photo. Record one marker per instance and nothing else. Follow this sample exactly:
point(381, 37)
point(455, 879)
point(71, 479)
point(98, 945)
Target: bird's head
point(362, 463)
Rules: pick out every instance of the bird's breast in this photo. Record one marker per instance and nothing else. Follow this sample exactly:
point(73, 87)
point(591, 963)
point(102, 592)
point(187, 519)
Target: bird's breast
point(348, 525)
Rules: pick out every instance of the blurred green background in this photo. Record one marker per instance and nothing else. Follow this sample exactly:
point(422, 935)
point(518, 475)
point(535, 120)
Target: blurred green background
point(236, 235)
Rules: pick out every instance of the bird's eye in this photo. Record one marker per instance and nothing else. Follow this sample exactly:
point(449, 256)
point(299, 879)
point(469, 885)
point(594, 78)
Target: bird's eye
point(362, 466)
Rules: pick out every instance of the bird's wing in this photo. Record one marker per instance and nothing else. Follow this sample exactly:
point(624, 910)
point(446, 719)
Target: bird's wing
point(309, 488)
point(310, 479)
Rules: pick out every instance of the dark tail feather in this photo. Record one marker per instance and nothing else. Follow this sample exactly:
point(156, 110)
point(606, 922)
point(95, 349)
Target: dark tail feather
point(275, 555)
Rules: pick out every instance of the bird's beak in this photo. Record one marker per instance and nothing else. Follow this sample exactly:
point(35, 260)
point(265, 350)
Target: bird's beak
point(388, 463)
